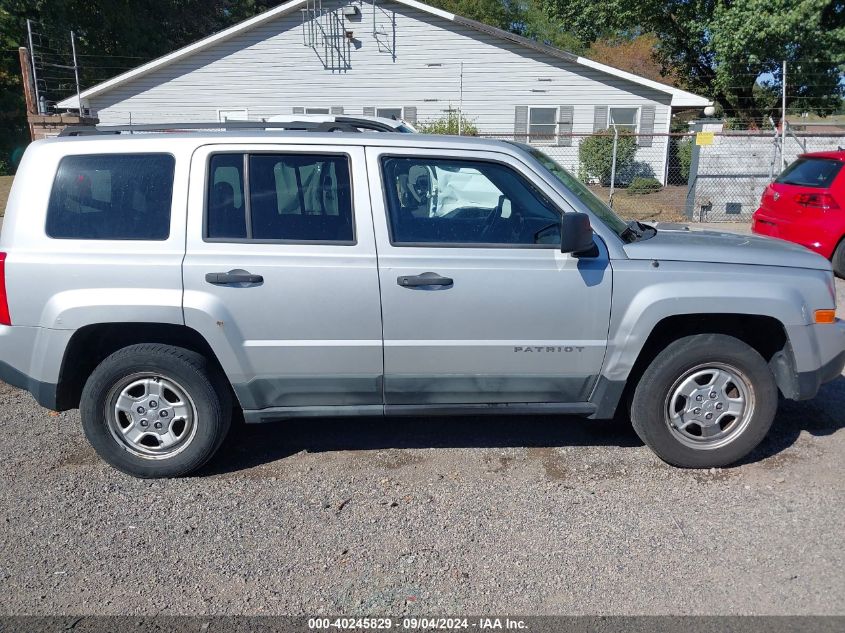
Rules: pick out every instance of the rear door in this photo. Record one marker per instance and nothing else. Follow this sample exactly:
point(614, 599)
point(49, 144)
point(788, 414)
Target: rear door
point(479, 304)
point(280, 275)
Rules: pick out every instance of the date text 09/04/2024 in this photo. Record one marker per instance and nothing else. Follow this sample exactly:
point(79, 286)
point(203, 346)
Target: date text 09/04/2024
point(447, 624)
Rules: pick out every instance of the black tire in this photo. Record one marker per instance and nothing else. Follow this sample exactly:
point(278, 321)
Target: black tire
point(838, 260)
point(651, 402)
point(193, 373)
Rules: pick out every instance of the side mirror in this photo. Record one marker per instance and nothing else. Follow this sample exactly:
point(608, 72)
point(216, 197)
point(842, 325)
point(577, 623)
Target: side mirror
point(576, 234)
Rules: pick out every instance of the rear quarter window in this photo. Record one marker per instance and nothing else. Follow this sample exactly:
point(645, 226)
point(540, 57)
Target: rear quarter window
point(811, 172)
point(112, 197)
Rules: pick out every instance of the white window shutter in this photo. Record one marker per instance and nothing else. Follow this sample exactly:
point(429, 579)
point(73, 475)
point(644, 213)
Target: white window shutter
point(599, 118)
point(410, 114)
point(520, 124)
point(647, 114)
point(566, 115)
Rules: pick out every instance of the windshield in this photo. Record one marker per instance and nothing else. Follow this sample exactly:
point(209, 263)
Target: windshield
point(579, 190)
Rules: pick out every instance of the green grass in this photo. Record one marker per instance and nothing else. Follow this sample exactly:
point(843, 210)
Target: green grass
point(664, 205)
point(5, 185)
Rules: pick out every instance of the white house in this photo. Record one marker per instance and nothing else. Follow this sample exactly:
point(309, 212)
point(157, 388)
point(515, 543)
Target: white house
point(393, 58)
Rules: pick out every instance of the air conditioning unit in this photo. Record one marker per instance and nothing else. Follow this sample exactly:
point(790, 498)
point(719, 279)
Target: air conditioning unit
point(351, 11)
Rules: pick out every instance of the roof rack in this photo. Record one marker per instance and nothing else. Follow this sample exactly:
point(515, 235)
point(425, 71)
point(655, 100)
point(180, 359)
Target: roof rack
point(340, 124)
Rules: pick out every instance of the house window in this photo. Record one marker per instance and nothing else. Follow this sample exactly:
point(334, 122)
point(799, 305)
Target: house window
point(625, 119)
point(390, 113)
point(232, 115)
point(316, 111)
point(542, 125)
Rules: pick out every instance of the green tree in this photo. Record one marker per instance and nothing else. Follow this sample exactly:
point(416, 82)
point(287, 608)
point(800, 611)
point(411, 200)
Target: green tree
point(112, 37)
point(448, 124)
point(731, 51)
point(528, 18)
point(595, 155)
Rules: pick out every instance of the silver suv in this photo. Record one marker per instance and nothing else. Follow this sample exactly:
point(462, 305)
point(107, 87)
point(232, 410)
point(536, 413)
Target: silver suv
point(158, 281)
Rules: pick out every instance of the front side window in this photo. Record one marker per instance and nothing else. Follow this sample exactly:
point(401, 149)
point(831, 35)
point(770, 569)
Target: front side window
point(448, 201)
point(288, 197)
point(624, 119)
point(811, 172)
point(542, 125)
point(112, 197)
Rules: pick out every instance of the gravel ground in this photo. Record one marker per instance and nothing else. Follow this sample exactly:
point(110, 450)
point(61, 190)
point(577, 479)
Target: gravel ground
point(426, 516)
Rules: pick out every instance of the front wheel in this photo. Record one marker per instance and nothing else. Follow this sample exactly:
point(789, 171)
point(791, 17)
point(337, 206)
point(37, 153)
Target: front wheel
point(155, 410)
point(706, 400)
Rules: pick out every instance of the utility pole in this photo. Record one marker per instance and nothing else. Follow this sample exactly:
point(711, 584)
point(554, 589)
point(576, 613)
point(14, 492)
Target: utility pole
point(783, 122)
point(76, 73)
point(461, 101)
point(32, 62)
point(613, 166)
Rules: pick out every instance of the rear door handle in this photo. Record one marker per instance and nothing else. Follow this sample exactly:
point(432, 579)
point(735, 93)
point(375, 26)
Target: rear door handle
point(424, 279)
point(236, 276)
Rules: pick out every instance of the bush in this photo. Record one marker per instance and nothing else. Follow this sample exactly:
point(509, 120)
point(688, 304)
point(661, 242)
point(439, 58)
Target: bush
point(642, 186)
point(448, 124)
point(596, 155)
point(685, 157)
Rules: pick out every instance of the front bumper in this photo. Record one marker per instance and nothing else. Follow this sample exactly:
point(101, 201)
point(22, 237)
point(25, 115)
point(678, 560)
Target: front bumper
point(830, 352)
point(810, 381)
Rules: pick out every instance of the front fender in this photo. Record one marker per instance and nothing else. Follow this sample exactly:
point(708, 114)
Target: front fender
point(645, 294)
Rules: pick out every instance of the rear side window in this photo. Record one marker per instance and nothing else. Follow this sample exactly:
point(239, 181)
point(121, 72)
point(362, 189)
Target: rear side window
point(112, 197)
point(811, 172)
point(288, 197)
point(226, 203)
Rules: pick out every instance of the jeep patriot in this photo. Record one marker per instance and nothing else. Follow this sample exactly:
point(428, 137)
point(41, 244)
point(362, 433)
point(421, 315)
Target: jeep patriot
point(158, 282)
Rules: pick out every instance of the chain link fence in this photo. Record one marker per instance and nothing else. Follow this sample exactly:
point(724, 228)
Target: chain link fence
point(706, 175)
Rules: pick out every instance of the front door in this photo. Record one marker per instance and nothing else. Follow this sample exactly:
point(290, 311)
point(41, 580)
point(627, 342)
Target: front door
point(280, 275)
point(479, 305)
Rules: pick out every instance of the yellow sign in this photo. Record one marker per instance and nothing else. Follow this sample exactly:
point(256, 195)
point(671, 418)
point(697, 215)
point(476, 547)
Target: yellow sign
point(704, 138)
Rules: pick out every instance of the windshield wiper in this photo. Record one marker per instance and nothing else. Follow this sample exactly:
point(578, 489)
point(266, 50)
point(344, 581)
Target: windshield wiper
point(635, 231)
point(647, 230)
point(632, 232)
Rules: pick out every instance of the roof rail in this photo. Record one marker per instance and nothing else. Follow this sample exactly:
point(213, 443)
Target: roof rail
point(340, 124)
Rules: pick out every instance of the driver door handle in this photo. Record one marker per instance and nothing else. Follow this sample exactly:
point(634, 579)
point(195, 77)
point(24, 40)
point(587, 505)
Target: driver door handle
point(233, 277)
point(423, 280)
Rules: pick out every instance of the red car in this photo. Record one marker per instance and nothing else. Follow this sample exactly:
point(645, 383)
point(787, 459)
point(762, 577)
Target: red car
point(806, 205)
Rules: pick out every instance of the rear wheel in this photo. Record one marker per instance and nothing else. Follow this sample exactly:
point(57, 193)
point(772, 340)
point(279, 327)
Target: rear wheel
point(838, 259)
point(706, 400)
point(155, 410)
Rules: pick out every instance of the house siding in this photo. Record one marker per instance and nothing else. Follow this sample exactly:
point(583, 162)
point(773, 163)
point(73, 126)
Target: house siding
point(414, 59)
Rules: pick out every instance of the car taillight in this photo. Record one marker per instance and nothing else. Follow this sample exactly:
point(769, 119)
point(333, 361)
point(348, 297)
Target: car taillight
point(817, 200)
point(5, 319)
